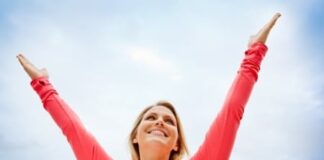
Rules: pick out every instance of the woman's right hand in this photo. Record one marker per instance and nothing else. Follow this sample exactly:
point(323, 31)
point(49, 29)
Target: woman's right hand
point(32, 71)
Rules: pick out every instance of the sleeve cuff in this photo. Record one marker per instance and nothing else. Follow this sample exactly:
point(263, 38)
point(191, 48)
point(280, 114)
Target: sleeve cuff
point(43, 87)
point(259, 46)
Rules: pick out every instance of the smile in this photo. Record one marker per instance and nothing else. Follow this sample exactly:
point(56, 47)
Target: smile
point(158, 132)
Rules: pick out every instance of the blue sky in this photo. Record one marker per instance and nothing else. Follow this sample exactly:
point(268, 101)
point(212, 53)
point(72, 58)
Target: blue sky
point(109, 59)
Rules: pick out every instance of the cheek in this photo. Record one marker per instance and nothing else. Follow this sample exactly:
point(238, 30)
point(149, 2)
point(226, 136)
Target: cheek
point(174, 137)
point(174, 132)
point(141, 130)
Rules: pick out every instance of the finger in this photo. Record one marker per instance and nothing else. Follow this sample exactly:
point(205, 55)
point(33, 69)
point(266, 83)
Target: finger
point(24, 61)
point(274, 20)
point(276, 17)
point(44, 70)
point(20, 60)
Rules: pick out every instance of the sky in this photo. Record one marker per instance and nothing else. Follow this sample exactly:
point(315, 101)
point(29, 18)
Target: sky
point(110, 59)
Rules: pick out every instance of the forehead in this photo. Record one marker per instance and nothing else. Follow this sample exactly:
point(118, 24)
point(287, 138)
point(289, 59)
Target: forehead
point(161, 110)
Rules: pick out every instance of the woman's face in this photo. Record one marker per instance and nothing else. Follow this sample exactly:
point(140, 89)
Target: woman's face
point(158, 129)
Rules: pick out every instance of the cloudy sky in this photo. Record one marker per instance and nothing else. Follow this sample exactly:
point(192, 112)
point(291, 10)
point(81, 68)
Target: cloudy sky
point(109, 59)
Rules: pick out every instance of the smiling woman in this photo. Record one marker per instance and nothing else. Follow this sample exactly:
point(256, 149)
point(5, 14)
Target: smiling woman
point(157, 133)
point(158, 124)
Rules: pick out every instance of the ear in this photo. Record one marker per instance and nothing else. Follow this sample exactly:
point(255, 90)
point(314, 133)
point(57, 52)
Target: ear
point(135, 140)
point(176, 148)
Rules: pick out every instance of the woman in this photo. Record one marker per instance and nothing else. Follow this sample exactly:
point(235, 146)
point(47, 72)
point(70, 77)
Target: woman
point(157, 133)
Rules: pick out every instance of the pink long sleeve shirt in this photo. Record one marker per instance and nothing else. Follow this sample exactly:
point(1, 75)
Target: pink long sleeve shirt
point(219, 139)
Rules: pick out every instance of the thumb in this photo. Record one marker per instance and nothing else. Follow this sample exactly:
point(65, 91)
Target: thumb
point(44, 72)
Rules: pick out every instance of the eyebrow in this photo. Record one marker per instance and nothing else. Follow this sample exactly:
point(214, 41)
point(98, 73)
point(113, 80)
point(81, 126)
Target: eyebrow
point(164, 115)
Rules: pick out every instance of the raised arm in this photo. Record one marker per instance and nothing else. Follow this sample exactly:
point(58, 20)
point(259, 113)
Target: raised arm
point(84, 145)
point(220, 138)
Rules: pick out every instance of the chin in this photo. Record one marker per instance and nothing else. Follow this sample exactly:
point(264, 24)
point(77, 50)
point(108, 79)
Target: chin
point(157, 142)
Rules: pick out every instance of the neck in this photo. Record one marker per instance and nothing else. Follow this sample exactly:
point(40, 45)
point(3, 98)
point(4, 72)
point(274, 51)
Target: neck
point(153, 154)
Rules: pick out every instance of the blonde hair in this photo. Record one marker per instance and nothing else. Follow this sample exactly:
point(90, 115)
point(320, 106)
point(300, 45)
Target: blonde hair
point(174, 155)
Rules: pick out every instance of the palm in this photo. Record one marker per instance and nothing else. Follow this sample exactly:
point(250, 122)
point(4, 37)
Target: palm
point(262, 35)
point(30, 69)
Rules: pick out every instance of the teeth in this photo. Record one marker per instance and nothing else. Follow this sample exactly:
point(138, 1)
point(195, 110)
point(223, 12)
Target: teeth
point(158, 133)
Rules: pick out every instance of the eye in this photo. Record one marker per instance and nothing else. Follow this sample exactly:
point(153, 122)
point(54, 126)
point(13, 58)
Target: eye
point(169, 121)
point(150, 117)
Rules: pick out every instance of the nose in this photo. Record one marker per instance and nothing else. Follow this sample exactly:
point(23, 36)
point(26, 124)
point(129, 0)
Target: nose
point(159, 122)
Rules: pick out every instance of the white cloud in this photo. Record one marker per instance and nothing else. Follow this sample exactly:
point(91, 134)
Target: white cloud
point(152, 60)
